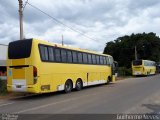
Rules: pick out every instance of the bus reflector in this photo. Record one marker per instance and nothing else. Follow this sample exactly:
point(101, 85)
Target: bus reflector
point(34, 71)
point(35, 74)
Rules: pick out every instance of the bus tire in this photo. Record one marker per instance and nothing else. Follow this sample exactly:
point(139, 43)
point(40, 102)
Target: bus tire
point(79, 85)
point(68, 86)
point(109, 80)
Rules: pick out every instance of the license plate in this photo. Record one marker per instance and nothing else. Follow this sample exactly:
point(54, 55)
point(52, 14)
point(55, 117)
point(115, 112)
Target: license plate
point(18, 86)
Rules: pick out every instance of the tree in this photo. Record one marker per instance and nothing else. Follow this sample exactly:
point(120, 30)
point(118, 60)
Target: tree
point(123, 48)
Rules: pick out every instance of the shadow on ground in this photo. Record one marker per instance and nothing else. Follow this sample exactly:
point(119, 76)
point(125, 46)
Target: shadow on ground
point(154, 107)
point(59, 93)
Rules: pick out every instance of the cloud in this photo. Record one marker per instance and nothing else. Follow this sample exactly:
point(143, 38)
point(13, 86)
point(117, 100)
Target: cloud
point(102, 20)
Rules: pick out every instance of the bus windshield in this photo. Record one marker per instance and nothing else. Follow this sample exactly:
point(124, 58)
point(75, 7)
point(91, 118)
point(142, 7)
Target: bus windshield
point(137, 62)
point(20, 49)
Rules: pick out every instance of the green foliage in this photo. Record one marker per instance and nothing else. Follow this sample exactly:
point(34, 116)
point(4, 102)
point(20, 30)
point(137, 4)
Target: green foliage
point(123, 48)
point(123, 71)
point(3, 87)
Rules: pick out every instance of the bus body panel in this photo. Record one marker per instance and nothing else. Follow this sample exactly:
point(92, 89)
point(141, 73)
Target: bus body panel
point(54, 79)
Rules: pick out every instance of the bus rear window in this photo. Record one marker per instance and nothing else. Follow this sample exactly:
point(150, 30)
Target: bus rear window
point(137, 62)
point(20, 49)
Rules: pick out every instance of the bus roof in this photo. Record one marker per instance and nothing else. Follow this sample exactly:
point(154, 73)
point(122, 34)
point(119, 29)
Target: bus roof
point(67, 47)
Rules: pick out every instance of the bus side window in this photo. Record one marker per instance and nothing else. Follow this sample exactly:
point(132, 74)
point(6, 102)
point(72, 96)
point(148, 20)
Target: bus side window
point(46, 53)
point(107, 60)
point(58, 55)
point(63, 55)
point(42, 53)
point(69, 56)
point(101, 60)
point(85, 59)
point(51, 54)
point(110, 60)
point(104, 61)
point(80, 57)
point(89, 59)
point(94, 59)
point(75, 58)
point(97, 58)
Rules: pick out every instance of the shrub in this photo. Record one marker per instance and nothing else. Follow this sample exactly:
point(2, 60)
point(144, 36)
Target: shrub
point(3, 87)
point(123, 71)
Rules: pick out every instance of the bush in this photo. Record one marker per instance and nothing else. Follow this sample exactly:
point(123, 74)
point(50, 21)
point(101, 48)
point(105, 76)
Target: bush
point(3, 87)
point(128, 72)
point(123, 71)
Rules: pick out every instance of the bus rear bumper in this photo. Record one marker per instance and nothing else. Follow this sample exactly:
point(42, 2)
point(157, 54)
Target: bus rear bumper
point(137, 73)
point(23, 89)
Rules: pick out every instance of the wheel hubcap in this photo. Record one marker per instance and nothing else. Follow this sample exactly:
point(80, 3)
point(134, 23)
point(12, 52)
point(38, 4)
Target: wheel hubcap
point(68, 87)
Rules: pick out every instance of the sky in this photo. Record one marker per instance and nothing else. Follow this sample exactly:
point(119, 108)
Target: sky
point(100, 20)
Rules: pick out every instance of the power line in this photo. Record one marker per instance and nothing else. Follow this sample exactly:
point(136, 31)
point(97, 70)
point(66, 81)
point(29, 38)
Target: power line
point(75, 30)
point(25, 4)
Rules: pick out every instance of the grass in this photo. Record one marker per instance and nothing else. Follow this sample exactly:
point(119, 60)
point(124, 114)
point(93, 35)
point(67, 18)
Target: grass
point(123, 77)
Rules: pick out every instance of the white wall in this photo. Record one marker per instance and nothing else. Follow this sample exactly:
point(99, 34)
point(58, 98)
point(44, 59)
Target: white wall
point(3, 52)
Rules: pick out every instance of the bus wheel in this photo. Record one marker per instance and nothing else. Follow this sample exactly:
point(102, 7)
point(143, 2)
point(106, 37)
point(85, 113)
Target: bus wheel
point(109, 80)
point(68, 86)
point(79, 85)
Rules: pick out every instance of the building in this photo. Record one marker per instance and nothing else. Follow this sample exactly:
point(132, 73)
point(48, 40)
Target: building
point(3, 57)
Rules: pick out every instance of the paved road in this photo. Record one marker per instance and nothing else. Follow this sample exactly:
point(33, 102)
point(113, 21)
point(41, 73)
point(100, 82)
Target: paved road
point(126, 96)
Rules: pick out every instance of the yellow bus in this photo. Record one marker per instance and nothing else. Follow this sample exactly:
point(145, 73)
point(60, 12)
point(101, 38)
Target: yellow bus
point(143, 67)
point(36, 66)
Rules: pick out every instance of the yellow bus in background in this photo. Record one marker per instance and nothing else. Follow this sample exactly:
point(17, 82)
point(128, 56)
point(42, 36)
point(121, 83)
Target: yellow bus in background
point(37, 66)
point(143, 67)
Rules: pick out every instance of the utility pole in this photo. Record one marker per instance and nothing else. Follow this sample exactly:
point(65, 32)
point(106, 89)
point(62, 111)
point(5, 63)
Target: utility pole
point(136, 53)
point(62, 41)
point(21, 19)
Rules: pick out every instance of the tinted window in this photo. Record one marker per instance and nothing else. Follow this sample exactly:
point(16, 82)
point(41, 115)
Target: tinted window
point(146, 63)
point(58, 55)
point(89, 59)
point(85, 60)
point(104, 61)
point(107, 60)
point(51, 53)
point(43, 52)
point(110, 60)
point(69, 56)
point(74, 54)
point(46, 53)
point(64, 55)
point(97, 59)
point(137, 62)
point(101, 60)
point(19, 49)
point(94, 59)
point(79, 57)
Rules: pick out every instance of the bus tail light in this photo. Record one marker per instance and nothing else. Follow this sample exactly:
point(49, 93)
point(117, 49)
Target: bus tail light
point(35, 74)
